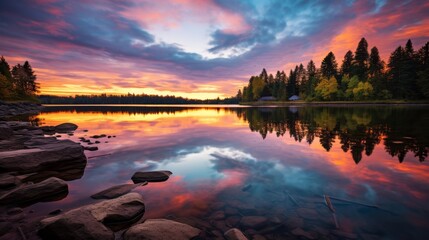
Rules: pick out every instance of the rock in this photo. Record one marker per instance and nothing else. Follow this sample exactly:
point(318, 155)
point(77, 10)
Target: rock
point(230, 211)
point(258, 237)
point(99, 136)
point(253, 221)
point(56, 212)
point(232, 221)
point(65, 127)
point(51, 188)
point(294, 222)
point(14, 211)
point(5, 131)
point(90, 148)
point(60, 154)
point(76, 225)
point(48, 130)
point(8, 181)
point(95, 221)
point(344, 234)
point(218, 215)
point(154, 176)
point(161, 229)
point(97, 142)
point(234, 234)
point(116, 191)
point(307, 213)
point(301, 233)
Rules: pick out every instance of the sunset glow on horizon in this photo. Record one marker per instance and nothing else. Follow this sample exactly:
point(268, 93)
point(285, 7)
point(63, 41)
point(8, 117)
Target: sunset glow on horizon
point(194, 49)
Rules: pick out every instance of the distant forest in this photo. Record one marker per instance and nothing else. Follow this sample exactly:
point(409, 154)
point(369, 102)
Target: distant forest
point(361, 76)
point(130, 99)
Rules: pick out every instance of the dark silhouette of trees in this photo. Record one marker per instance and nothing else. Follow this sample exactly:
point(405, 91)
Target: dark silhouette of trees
point(18, 83)
point(131, 99)
point(347, 65)
point(361, 60)
point(423, 70)
point(329, 66)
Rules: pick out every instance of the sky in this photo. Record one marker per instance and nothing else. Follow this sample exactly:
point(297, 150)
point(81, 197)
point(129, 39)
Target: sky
point(196, 49)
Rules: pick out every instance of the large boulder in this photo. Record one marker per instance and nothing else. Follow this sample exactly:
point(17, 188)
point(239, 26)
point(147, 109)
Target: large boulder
point(53, 155)
point(95, 221)
point(153, 176)
point(50, 189)
point(160, 229)
point(65, 127)
point(75, 225)
point(235, 234)
point(116, 191)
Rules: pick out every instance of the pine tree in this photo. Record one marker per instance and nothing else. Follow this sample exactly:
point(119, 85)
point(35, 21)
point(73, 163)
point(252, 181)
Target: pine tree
point(5, 68)
point(346, 67)
point(31, 87)
point(329, 66)
point(422, 58)
point(311, 69)
point(397, 74)
point(361, 60)
point(375, 63)
point(264, 75)
point(292, 83)
point(6, 86)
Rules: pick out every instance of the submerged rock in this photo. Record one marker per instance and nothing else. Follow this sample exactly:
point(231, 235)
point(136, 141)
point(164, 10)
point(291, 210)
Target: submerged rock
point(96, 221)
point(154, 176)
point(301, 233)
point(254, 221)
point(234, 234)
point(116, 191)
point(65, 127)
point(51, 188)
point(160, 229)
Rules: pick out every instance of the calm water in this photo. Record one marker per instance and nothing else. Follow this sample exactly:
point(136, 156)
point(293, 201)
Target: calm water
point(271, 162)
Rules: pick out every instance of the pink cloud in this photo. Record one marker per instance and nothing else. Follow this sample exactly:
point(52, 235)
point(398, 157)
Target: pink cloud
point(170, 14)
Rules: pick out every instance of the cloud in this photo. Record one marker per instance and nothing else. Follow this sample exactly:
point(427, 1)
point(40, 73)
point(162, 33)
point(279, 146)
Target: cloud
point(211, 42)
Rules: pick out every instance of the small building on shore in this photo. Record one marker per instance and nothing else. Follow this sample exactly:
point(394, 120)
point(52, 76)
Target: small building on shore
point(294, 98)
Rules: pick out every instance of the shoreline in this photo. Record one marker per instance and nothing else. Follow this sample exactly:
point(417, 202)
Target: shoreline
point(333, 103)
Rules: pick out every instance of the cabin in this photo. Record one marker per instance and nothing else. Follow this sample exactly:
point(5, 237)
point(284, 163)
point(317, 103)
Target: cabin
point(267, 98)
point(294, 98)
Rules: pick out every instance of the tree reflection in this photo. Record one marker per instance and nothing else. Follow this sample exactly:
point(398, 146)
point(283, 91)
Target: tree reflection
point(358, 129)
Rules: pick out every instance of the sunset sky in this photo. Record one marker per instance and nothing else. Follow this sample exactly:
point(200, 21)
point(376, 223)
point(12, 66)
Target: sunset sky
point(196, 49)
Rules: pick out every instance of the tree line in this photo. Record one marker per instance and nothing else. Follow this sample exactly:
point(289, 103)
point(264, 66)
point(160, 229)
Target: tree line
point(363, 75)
point(130, 99)
point(18, 83)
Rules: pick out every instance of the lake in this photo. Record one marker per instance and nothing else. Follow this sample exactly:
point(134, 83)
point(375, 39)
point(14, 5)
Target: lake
point(275, 163)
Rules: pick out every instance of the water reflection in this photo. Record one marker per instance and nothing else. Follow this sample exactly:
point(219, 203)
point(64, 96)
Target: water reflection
point(358, 129)
point(279, 169)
